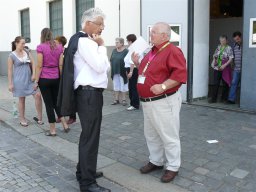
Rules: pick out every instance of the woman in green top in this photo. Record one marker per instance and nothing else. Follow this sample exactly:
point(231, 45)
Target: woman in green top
point(222, 59)
point(118, 72)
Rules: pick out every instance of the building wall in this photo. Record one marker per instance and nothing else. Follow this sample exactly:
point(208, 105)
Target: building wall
point(172, 12)
point(201, 48)
point(248, 86)
point(39, 18)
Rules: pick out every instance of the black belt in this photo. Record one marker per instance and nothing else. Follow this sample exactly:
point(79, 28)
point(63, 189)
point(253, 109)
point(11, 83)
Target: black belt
point(90, 88)
point(157, 97)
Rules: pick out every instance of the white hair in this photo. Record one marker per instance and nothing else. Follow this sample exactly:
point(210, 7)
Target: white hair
point(91, 15)
point(164, 28)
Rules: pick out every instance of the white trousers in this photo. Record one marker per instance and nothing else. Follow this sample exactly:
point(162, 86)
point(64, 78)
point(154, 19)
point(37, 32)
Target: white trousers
point(161, 129)
point(118, 83)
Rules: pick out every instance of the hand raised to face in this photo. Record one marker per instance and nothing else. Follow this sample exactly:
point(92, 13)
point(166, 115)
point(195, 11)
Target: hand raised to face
point(98, 39)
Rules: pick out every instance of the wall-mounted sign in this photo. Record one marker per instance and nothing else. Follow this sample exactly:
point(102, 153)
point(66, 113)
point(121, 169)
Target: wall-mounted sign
point(175, 37)
point(252, 35)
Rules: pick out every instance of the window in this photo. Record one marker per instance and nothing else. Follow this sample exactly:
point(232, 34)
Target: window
point(81, 6)
point(56, 21)
point(25, 24)
point(252, 38)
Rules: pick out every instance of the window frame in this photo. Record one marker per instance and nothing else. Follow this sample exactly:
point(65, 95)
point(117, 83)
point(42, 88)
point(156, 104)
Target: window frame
point(55, 16)
point(82, 5)
point(25, 24)
point(252, 35)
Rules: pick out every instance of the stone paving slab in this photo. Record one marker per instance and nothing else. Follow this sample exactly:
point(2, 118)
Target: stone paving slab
point(205, 167)
point(28, 166)
point(132, 179)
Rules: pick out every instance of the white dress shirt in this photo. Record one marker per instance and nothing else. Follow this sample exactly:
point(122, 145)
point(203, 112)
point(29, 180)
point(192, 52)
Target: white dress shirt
point(128, 60)
point(91, 64)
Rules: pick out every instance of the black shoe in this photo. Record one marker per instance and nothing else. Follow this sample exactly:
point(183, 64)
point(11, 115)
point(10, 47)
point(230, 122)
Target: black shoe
point(98, 175)
point(230, 102)
point(95, 188)
point(212, 101)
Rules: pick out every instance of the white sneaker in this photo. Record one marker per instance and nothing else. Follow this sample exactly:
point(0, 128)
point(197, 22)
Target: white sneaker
point(131, 108)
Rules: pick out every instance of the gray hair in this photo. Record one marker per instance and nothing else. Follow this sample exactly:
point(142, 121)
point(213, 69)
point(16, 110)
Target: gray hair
point(91, 15)
point(121, 40)
point(164, 28)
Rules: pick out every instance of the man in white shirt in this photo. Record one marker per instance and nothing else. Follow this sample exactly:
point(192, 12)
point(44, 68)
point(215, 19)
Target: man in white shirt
point(90, 79)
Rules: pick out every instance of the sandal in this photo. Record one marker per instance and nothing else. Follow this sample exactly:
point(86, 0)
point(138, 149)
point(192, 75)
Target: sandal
point(48, 133)
point(66, 130)
point(124, 103)
point(115, 102)
point(24, 124)
point(37, 121)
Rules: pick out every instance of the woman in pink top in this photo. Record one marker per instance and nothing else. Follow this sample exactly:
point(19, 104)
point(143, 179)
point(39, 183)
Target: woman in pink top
point(49, 66)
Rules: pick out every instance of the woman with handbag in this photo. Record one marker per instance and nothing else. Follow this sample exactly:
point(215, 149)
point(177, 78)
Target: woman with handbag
point(221, 64)
point(21, 74)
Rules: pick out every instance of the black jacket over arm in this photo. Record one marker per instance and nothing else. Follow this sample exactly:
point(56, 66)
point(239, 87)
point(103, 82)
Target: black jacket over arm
point(66, 97)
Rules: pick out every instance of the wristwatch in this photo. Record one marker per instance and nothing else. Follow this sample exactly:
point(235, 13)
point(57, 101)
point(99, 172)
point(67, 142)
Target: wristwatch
point(164, 87)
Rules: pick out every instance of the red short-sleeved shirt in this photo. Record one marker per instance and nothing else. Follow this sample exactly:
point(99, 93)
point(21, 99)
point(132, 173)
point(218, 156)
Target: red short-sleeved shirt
point(167, 64)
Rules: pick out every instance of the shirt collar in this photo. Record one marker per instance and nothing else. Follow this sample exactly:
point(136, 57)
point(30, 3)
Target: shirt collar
point(85, 33)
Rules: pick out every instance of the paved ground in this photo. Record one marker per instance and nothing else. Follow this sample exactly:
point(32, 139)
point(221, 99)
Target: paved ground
point(227, 166)
point(30, 167)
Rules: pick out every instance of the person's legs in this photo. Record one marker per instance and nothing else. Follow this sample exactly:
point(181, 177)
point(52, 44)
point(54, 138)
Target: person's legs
point(116, 88)
point(166, 115)
point(116, 95)
point(235, 81)
point(22, 110)
point(123, 97)
point(135, 101)
point(45, 86)
point(154, 142)
point(215, 89)
point(166, 120)
point(123, 90)
point(225, 90)
point(38, 104)
point(90, 114)
point(55, 91)
point(129, 87)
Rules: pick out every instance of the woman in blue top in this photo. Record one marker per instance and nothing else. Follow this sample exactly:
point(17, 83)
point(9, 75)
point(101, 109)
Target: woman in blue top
point(21, 74)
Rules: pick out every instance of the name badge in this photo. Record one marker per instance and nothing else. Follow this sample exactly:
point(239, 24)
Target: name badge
point(141, 79)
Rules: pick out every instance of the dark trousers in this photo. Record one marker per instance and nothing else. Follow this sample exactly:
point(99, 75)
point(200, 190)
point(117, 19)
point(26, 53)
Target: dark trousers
point(225, 89)
point(49, 89)
point(133, 93)
point(89, 108)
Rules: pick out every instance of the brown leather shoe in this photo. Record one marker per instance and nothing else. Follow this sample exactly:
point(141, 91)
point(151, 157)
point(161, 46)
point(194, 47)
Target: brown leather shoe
point(168, 176)
point(149, 168)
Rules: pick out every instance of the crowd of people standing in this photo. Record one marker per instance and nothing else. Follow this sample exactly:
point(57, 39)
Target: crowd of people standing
point(73, 79)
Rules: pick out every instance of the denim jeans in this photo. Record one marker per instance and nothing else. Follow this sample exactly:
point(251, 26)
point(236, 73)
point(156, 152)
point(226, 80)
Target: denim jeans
point(235, 81)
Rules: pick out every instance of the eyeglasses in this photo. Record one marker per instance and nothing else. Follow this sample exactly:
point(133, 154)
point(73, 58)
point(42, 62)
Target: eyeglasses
point(99, 24)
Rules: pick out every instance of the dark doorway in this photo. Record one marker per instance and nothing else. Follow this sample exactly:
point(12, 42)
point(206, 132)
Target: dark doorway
point(226, 17)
